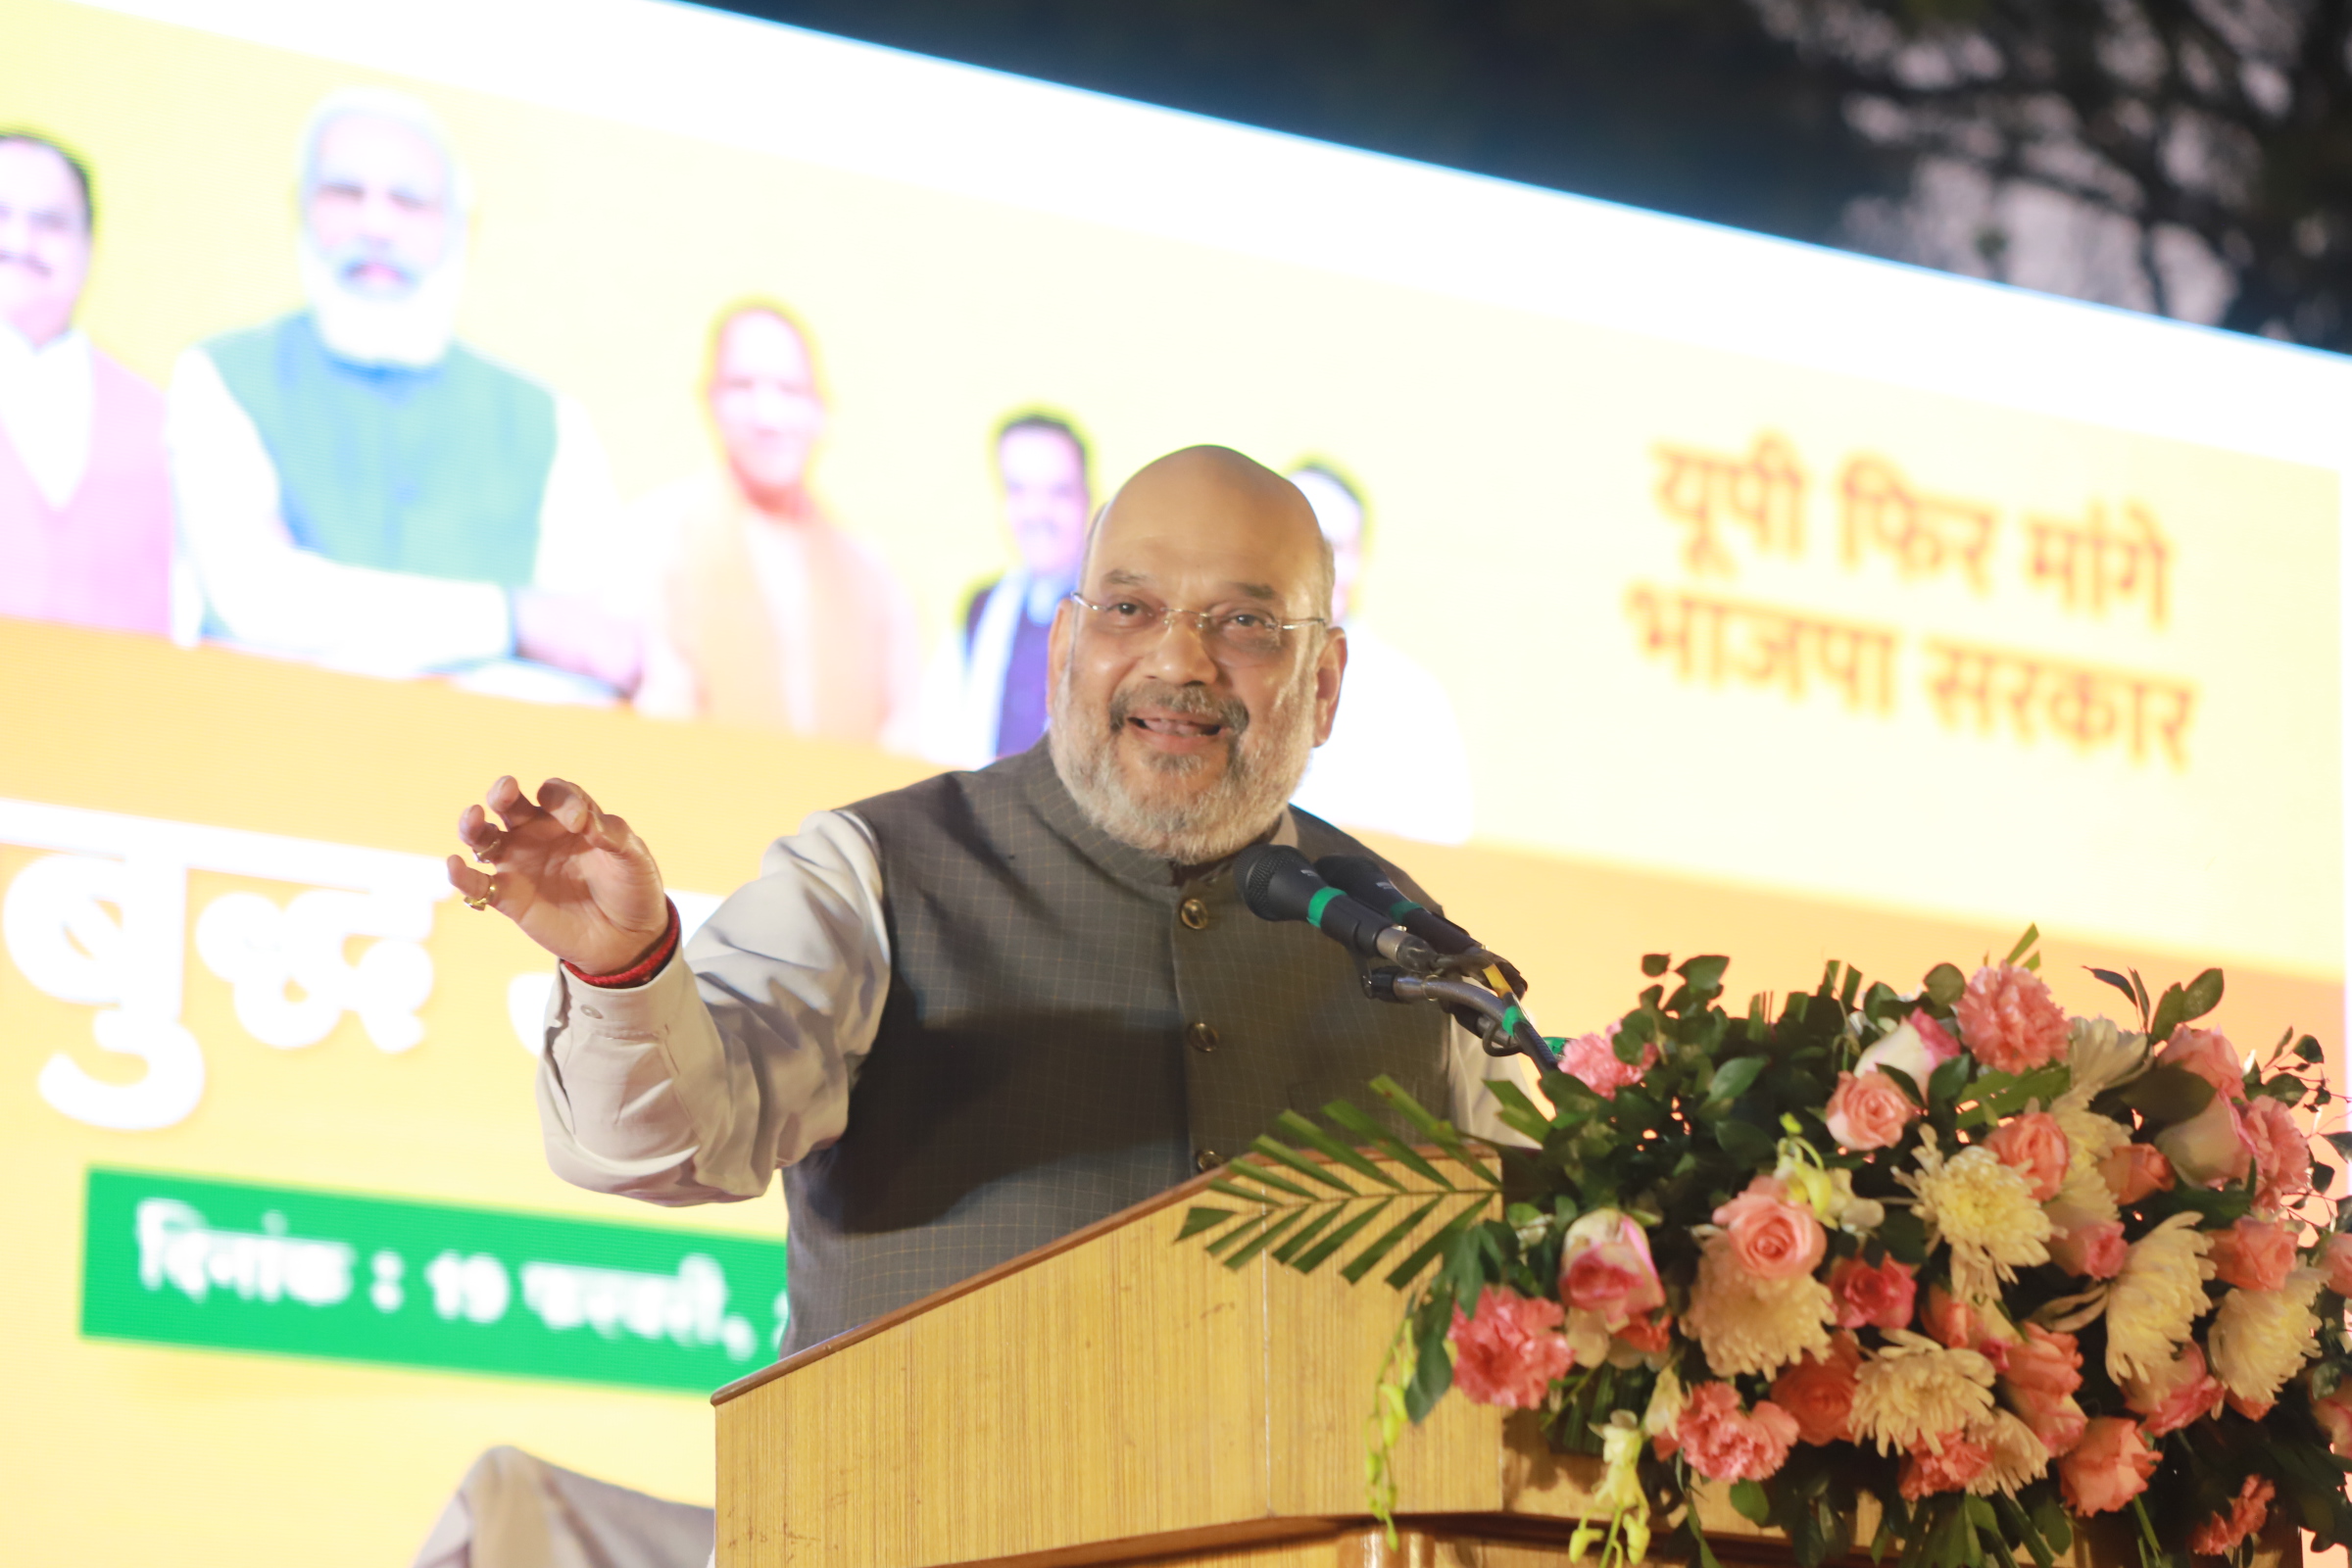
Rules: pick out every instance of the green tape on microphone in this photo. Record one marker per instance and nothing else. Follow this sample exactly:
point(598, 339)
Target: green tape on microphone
point(1319, 903)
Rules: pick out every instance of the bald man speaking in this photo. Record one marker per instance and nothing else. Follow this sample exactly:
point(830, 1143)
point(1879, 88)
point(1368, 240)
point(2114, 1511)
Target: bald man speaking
point(970, 1017)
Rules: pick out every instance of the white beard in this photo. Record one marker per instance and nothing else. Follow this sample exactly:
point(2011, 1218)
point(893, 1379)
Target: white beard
point(413, 331)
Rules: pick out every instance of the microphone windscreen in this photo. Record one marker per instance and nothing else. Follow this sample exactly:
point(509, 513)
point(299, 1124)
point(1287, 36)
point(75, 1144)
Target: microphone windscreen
point(1270, 883)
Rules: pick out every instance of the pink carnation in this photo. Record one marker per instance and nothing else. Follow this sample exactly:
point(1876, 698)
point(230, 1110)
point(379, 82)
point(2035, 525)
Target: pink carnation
point(1727, 1443)
point(2039, 1381)
point(2034, 1147)
point(2282, 1152)
point(1869, 1110)
point(1592, 1059)
point(1878, 1298)
point(2009, 1019)
point(2131, 1171)
point(2336, 1258)
point(2096, 1251)
point(2108, 1468)
point(1819, 1393)
point(1772, 1239)
point(2209, 1055)
point(1510, 1351)
point(2175, 1395)
point(1951, 1465)
point(2248, 1513)
point(2253, 1255)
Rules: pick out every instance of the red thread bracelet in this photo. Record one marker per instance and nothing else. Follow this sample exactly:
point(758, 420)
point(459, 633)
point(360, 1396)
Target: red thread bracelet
point(644, 969)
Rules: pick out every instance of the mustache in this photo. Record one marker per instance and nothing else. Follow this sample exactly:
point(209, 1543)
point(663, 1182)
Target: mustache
point(348, 260)
point(1186, 702)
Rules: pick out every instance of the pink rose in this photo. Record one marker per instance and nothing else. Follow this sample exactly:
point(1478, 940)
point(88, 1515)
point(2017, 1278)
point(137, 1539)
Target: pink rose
point(1869, 1110)
point(2034, 1147)
point(2209, 1055)
point(2282, 1152)
point(2335, 1415)
point(1914, 1048)
point(1606, 1268)
point(2131, 1171)
point(2336, 1258)
point(2040, 1378)
point(1931, 1033)
point(2248, 1513)
point(2010, 1021)
point(1881, 1298)
point(2253, 1255)
point(2256, 1410)
point(2096, 1250)
point(1649, 1335)
point(2210, 1148)
point(1508, 1350)
point(1819, 1393)
point(2108, 1468)
point(1772, 1239)
point(1593, 1058)
point(1727, 1443)
point(2175, 1395)
point(1951, 1469)
point(1949, 1322)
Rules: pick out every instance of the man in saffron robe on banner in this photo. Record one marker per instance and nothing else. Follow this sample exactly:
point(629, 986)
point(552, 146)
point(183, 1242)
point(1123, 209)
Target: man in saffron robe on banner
point(766, 615)
point(86, 497)
point(358, 488)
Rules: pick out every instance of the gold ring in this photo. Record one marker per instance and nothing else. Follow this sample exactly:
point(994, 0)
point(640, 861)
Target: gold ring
point(486, 899)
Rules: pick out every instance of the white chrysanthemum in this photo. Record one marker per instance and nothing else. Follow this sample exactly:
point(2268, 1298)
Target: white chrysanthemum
point(1983, 1212)
point(2100, 1055)
point(2156, 1297)
point(2083, 1198)
point(1750, 1325)
point(2019, 1458)
point(1915, 1390)
point(2260, 1339)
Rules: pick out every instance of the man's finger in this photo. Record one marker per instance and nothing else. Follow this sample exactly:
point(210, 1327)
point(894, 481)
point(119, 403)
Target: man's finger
point(469, 883)
point(612, 833)
point(476, 833)
point(567, 803)
point(507, 799)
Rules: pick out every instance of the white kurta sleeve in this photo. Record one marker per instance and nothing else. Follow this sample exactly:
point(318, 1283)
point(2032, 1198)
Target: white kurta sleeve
point(738, 1058)
point(268, 591)
point(584, 543)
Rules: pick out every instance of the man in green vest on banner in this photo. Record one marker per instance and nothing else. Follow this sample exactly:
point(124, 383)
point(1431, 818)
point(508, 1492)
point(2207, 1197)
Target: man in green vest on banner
point(970, 1016)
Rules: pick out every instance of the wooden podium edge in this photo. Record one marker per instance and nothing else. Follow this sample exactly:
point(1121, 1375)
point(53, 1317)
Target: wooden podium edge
point(978, 1282)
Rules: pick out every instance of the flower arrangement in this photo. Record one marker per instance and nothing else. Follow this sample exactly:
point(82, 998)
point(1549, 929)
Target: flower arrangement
point(1998, 1268)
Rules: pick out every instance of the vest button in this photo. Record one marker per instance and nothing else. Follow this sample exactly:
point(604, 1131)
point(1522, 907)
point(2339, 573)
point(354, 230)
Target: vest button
point(1207, 1160)
point(1201, 1036)
point(1194, 913)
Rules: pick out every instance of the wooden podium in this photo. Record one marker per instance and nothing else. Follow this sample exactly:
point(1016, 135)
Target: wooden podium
point(1123, 1397)
point(1120, 1398)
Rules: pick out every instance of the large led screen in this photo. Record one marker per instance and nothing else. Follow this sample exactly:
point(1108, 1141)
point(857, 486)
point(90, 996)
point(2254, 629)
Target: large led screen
point(740, 399)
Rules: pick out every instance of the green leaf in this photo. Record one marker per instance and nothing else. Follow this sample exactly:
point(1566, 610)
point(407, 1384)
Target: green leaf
point(1306, 1234)
point(2341, 1143)
point(1947, 1080)
point(1312, 1258)
point(1735, 1077)
point(1944, 985)
point(1655, 965)
point(1422, 1256)
point(2169, 1012)
point(2020, 1526)
point(1904, 1236)
point(2121, 982)
point(1385, 1243)
point(1440, 1133)
point(1749, 1497)
point(1906, 1083)
point(2309, 1049)
point(1235, 1170)
point(1274, 1148)
point(1388, 1143)
point(1433, 1370)
point(1744, 1141)
point(1517, 1112)
point(1197, 1220)
point(2025, 944)
point(2204, 995)
point(1316, 1137)
point(1247, 1227)
point(1704, 975)
point(2049, 1517)
point(1240, 1255)
point(2166, 1095)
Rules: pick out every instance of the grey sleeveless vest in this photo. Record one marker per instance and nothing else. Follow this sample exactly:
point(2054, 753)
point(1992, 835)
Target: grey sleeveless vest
point(1067, 1032)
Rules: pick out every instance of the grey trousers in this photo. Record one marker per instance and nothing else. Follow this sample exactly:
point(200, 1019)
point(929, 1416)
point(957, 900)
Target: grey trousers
point(515, 1511)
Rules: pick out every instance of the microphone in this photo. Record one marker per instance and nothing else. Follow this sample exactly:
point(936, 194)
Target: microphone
point(1278, 883)
point(1361, 878)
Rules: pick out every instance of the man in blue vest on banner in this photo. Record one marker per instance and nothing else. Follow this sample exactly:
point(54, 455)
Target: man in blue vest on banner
point(357, 488)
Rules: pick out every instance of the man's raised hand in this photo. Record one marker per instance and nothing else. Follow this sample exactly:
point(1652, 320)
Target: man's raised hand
point(578, 882)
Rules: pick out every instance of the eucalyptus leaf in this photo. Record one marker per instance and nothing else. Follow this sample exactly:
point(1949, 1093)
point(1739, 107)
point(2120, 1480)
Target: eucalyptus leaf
point(2121, 982)
point(2166, 1093)
point(1744, 1141)
point(1655, 965)
point(1944, 985)
point(1735, 1077)
point(1749, 1497)
point(2202, 996)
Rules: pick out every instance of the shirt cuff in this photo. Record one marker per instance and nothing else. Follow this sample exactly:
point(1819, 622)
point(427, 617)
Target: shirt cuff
point(655, 958)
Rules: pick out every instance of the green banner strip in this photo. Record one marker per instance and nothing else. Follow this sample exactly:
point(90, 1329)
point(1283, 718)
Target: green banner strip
point(171, 1259)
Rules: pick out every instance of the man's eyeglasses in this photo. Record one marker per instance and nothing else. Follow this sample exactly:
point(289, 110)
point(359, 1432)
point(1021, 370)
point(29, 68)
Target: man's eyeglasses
point(1233, 636)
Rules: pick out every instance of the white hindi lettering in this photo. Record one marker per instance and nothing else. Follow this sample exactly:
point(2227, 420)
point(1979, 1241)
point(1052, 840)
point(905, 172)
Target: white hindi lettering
point(689, 1306)
point(176, 1247)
